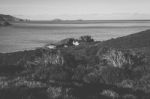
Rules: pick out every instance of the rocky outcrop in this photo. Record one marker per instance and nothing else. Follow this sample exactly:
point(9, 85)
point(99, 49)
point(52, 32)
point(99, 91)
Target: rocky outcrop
point(120, 58)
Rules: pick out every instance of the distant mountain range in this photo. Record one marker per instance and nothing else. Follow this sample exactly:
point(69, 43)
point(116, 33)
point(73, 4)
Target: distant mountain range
point(5, 19)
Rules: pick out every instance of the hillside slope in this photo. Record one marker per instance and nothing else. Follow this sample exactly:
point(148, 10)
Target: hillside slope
point(3, 22)
point(137, 40)
point(6, 20)
point(9, 18)
point(113, 69)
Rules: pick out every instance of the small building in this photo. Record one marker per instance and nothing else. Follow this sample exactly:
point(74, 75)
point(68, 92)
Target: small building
point(51, 46)
point(76, 43)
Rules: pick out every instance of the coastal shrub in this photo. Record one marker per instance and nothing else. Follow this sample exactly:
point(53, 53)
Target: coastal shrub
point(110, 93)
point(68, 42)
point(129, 96)
point(51, 57)
point(126, 59)
point(54, 92)
point(113, 75)
point(79, 72)
point(144, 83)
point(59, 93)
point(23, 93)
point(127, 83)
point(94, 75)
point(52, 72)
point(86, 38)
point(11, 70)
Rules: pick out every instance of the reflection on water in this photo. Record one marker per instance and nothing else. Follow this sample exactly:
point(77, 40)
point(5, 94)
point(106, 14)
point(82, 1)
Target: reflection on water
point(28, 36)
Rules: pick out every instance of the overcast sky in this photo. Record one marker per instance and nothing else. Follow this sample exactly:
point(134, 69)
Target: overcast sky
point(77, 9)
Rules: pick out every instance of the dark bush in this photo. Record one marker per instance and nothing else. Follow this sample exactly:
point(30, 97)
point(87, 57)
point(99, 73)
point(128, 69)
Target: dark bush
point(113, 75)
point(86, 38)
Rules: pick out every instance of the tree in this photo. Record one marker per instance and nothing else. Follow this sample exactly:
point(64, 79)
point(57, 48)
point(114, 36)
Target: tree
point(86, 38)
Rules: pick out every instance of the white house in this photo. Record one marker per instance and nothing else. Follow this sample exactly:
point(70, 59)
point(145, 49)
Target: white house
point(76, 43)
point(51, 46)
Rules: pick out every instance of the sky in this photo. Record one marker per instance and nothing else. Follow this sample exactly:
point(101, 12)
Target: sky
point(76, 9)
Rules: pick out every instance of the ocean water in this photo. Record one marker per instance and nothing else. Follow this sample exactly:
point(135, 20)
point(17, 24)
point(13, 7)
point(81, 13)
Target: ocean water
point(25, 36)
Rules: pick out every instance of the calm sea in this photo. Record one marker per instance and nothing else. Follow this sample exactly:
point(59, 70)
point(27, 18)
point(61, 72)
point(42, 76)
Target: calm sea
point(25, 36)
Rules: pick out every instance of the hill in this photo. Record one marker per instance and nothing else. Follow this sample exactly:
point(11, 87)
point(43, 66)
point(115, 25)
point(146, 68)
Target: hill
point(113, 69)
point(9, 18)
point(6, 20)
point(136, 40)
point(3, 22)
